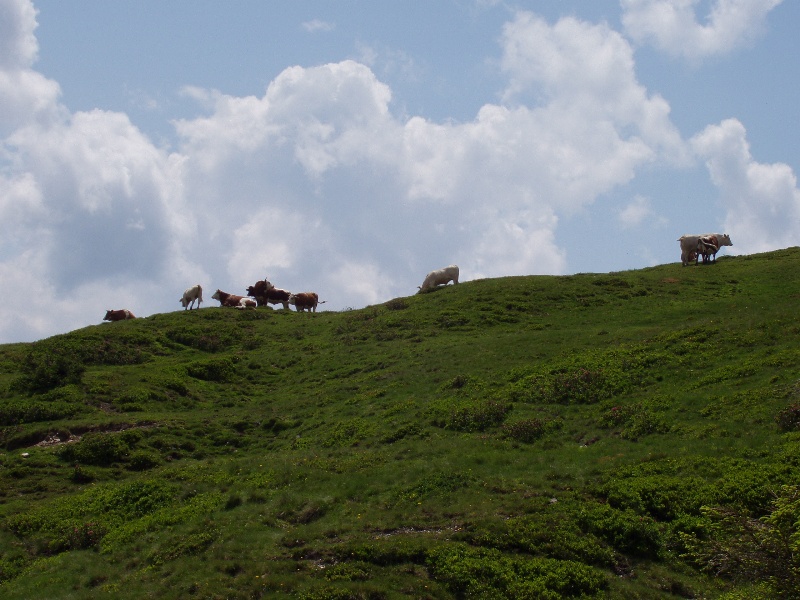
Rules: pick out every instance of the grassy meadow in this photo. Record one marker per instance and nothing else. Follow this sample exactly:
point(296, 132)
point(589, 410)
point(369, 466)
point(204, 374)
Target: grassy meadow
point(623, 435)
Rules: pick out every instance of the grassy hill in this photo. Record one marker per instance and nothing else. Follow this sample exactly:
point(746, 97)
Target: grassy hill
point(622, 435)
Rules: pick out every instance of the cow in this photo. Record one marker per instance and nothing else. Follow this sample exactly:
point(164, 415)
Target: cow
point(118, 315)
point(689, 245)
point(707, 247)
point(190, 295)
point(266, 293)
point(440, 277)
point(305, 301)
point(246, 303)
point(233, 301)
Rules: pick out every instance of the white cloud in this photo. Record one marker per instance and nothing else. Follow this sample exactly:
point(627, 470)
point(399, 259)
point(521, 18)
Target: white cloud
point(318, 25)
point(25, 95)
point(317, 185)
point(762, 201)
point(635, 213)
point(673, 27)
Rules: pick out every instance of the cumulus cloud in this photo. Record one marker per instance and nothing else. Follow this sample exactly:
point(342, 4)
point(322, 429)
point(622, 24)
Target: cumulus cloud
point(673, 26)
point(316, 183)
point(762, 200)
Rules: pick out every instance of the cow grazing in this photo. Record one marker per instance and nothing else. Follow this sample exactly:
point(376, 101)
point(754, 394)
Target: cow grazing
point(689, 243)
point(305, 301)
point(440, 277)
point(118, 315)
point(190, 295)
point(233, 301)
point(266, 293)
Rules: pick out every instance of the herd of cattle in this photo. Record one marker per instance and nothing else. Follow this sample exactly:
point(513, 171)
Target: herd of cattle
point(693, 247)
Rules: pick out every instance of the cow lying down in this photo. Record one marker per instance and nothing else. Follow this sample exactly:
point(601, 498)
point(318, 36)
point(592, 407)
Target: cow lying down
point(234, 301)
point(118, 315)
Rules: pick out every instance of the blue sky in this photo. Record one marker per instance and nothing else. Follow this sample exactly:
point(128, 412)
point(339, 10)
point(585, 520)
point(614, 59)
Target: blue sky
point(348, 148)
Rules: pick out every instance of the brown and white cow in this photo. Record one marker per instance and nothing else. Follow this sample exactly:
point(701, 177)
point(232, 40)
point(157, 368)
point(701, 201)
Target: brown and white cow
point(234, 301)
point(689, 245)
point(440, 277)
point(190, 295)
point(707, 247)
point(118, 315)
point(305, 301)
point(266, 293)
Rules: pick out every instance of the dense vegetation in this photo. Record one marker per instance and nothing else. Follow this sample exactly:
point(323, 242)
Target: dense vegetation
point(622, 435)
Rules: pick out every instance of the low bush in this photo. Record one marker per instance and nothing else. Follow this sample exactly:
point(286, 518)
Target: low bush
point(472, 415)
point(530, 430)
point(788, 419)
point(624, 530)
point(33, 411)
point(745, 549)
point(487, 573)
point(48, 366)
point(98, 449)
point(220, 370)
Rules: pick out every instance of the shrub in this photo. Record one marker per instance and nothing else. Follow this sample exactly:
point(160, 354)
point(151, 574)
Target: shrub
point(220, 370)
point(474, 416)
point(32, 411)
point(142, 460)
point(624, 530)
point(635, 420)
point(48, 366)
point(487, 573)
point(789, 418)
point(528, 430)
point(746, 549)
point(99, 449)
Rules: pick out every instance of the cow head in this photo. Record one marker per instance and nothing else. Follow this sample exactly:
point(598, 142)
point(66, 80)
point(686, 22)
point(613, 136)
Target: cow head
point(725, 240)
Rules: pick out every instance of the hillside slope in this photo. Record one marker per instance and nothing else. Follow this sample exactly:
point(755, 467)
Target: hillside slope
point(622, 435)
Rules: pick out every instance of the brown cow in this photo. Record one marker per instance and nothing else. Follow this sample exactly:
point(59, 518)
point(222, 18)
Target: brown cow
point(266, 293)
point(305, 301)
point(234, 301)
point(118, 315)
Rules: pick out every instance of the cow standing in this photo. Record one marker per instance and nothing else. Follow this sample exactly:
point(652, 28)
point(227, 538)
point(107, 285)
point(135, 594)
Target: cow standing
point(305, 301)
point(689, 245)
point(190, 295)
point(266, 293)
point(707, 247)
point(440, 277)
point(119, 315)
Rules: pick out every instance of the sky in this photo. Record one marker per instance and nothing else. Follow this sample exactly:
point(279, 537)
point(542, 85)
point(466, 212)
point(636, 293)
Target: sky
point(349, 148)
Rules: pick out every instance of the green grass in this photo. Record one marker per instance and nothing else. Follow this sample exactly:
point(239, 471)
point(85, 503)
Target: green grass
point(614, 435)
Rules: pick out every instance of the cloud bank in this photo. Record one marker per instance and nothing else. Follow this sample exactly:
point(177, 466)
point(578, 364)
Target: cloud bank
point(319, 186)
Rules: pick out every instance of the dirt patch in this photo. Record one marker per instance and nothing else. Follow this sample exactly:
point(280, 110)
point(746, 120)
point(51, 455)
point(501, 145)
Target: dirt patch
point(670, 280)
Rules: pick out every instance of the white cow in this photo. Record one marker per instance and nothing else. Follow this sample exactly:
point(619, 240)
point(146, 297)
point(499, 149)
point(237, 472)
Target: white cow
point(190, 295)
point(440, 277)
point(689, 244)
